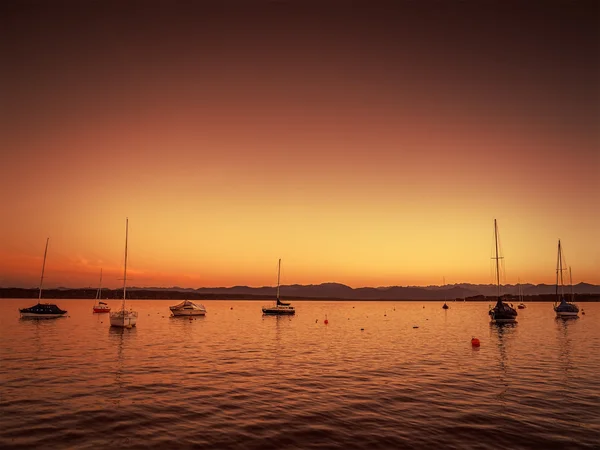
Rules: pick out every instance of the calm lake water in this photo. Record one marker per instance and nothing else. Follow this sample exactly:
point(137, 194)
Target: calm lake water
point(236, 379)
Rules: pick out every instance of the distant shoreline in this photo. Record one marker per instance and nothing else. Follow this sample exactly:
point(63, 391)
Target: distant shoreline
point(165, 294)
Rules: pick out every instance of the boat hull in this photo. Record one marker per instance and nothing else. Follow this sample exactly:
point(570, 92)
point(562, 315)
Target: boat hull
point(42, 316)
point(101, 310)
point(566, 314)
point(507, 320)
point(278, 312)
point(127, 320)
point(188, 312)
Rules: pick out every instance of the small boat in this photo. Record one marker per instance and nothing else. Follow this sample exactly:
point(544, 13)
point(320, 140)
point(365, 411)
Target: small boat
point(521, 305)
point(124, 318)
point(42, 310)
point(562, 307)
point(444, 286)
point(188, 308)
point(99, 306)
point(501, 312)
point(280, 308)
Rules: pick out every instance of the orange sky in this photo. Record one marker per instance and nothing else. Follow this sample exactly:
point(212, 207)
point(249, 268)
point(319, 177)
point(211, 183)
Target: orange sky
point(368, 147)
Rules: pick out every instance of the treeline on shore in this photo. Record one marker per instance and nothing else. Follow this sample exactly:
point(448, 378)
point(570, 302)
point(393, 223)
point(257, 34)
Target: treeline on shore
point(149, 294)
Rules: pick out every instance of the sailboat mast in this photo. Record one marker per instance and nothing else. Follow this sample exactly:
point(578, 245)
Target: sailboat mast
point(43, 268)
point(278, 278)
point(562, 283)
point(571, 282)
point(99, 292)
point(125, 269)
point(497, 258)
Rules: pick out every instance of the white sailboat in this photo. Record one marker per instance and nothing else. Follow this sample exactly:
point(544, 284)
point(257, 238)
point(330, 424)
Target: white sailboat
point(124, 318)
point(42, 310)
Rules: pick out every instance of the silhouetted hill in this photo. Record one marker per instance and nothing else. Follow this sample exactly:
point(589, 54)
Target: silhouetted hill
point(319, 291)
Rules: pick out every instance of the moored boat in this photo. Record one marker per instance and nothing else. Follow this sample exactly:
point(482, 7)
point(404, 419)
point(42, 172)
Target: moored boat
point(124, 318)
point(502, 312)
point(99, 306)
point(280, 308)
point(188, 308)
point(42, 310)
point(562, 307)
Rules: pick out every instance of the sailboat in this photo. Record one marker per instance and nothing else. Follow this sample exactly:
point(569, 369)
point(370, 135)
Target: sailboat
point(124, 318)
point(42, 310)
point(445, 305)
point(99, 306)
point(280, 308)
point(521, 305)
point(563, 308)
point(501, 312)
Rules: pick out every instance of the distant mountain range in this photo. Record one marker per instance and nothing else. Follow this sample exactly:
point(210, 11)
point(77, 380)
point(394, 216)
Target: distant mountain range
point(341, 291)
point(324, 291)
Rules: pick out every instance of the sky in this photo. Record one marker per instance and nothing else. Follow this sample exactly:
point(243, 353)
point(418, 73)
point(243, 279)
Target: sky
point(366, 143)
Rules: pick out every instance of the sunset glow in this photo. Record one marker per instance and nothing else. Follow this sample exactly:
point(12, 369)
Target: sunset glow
point(355, 148)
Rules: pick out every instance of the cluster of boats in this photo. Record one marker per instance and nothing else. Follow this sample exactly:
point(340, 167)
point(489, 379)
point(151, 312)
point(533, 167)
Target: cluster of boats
point(502, 312)
point(126, 318)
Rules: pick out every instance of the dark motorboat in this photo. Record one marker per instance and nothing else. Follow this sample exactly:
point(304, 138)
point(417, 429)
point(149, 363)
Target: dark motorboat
point(280, 308)
point(502, 312)
point(562, 307)
point(42, 310)
point(445, 306)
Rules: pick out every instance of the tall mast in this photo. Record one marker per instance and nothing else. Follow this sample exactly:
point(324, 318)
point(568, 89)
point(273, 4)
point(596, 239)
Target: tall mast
point(444, 287)
point(562, 283)
point(43, 268)
point(98, 293)
point(278, 278)
point(571, 282)
point(497, 258)
point(125, 269)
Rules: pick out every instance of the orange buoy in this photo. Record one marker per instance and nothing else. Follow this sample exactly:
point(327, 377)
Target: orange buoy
point(475, 342)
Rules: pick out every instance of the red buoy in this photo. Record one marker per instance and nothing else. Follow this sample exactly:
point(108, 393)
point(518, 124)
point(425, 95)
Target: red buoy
point(326, 321)
point(475, 342)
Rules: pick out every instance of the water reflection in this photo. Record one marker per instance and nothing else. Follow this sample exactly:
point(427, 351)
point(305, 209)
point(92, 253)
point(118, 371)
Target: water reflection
point(117, 339)
point(501, 334)
point(564, 346)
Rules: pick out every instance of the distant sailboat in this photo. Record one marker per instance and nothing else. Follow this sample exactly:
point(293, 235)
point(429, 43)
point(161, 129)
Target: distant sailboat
point(124, 318)
point(280, 308)
point(521, 305)
point(501, 312)
point(563, 308)
point(42, 310)
point(444, 287)
point(99, 306)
